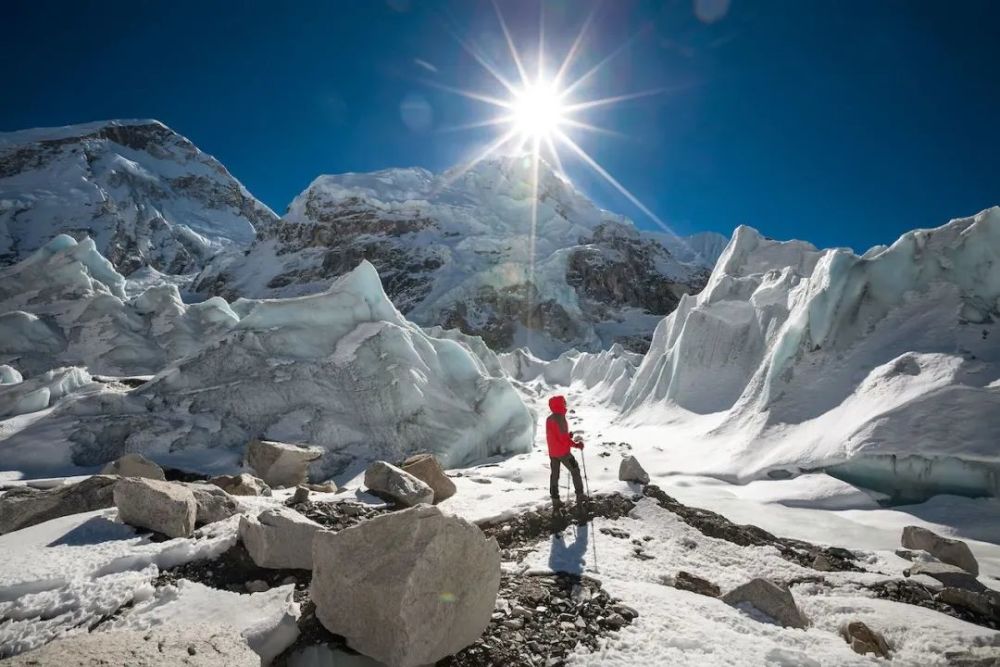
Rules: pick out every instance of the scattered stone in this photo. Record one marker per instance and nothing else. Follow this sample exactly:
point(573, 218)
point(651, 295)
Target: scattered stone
point(387, 481)
point(773, 599)
point(689, 582)
point(427, 469)
point(257, 586)
point(300, 496)
point(631, 471)
point(214, 504)
point(340, 515)
point(946, 550)
point(279, 538)
point(134, 465)
point(325, 487)
point(280, 464)
point(23, 506)
point(382, 606)
point(164, 507)
point(864, 640)
point(985, 603)
point(949, 575)
point(192, 646)
point(241, 485)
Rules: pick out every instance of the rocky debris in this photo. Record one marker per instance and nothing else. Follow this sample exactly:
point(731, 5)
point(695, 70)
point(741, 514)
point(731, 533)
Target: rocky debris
point(340, 515)
point(300, 496)
point(686, 581)
point(946, 550)
point(949, 575)
point(257, 586)
point(325, 487)
point(965, 605)
point(232, 571)
point(134, 465)
point(985, 603)
point(164, 507)
point(864, 640)
point(194, 646)
point(241, 485)
point(772, 599)
point(279, 464)
point(387, 481)
point(214, 504)
point(715, 525)
point(24, 506)
point(977, 656)
point(279, 538)
point(427, 469)
point(631, 471)
point(442, 566)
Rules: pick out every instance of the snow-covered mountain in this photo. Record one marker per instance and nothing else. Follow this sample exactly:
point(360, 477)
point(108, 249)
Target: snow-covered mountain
point(882, 368)
point(145, 194)
point(455, 249)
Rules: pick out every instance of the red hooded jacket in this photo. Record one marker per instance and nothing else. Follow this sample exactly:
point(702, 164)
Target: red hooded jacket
point(557, 432)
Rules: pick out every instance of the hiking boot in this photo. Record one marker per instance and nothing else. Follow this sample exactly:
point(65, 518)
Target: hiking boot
point(557, 503)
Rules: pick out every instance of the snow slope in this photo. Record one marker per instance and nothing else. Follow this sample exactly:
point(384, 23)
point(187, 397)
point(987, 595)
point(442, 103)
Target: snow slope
point(341, 369)
point(145, 194)
point(459, 250)
point(801, 359)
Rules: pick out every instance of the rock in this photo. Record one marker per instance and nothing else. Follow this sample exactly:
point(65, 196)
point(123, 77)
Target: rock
point(280, 464)
point(134, 465)
point(946, 550)
point(22, 506)
point(631, 471)
point(864, 640)
point(822, 563)
point(214, 504)
point(163, 507)
point(191, 646)
point(770, 598)
point(241, 485)
point(301, 495)
point(325, 487)
point(256, 586)
point(427, 469)
point(428, 591)
point(689, 582)
point(385, 479)
point(949, 575)
point(977, 656)
point(985, 603)
point(279, 538)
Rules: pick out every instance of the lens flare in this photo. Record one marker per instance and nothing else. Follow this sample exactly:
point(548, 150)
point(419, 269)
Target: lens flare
point(537, 111)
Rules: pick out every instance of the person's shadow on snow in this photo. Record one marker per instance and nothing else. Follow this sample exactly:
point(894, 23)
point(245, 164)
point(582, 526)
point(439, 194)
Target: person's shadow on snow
point(565, 557)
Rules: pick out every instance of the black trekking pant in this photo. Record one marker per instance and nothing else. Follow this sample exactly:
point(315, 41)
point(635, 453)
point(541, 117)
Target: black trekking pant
point(574, 470)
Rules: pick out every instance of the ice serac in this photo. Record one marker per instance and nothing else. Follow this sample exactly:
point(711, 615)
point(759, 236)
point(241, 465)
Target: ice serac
point(145, 194)
point(884, 367)
point(341, 370)
point(455, 249)
point(606, 375)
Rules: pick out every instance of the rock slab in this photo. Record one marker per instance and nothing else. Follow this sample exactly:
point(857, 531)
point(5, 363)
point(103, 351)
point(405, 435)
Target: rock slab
point(949, 575)
point(631, 471)
point(426, 589)
point(770, 598)
point(388, 481)
point(163, 507)
point(280, 464)
point(214, 504)
point(23, 506)
point(134, 465)
point(428, 470)
point(241, 485)
point(280, 538)
point(946, 550)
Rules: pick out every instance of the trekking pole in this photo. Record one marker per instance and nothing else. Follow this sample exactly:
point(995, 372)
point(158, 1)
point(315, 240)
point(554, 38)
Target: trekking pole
point(586, 480)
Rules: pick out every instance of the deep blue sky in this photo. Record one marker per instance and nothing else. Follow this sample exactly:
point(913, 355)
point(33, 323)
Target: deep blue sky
point(843, 123)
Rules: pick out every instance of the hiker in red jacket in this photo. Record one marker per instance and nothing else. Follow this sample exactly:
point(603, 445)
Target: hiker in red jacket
point(560, 439)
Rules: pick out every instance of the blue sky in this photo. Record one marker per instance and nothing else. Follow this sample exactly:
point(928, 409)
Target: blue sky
point(840, 122)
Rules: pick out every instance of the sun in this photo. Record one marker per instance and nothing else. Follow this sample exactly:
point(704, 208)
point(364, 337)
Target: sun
point(538, 111)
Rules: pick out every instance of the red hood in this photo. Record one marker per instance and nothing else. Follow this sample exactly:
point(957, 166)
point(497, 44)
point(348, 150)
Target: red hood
point(557, 404)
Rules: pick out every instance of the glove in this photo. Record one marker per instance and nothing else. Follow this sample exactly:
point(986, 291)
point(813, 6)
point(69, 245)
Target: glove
point(578, 444)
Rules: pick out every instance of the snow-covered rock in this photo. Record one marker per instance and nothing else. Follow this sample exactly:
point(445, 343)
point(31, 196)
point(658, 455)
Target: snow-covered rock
point(953, 552)
point(279, 538)
point(24, 506)
point(280, 464)
point(882, 368)
point(147, 195)
point(134, 465)
point(459, 249)
point(163, 507)
point(428, 591)
point(388, 481)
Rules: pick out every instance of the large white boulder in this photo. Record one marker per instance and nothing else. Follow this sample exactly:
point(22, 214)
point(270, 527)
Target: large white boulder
point(425, 589)
point(22, 506)
point(280, 464)
point(164, 507)
point(773, 599)
point(134, 465)
point(279, 538)
point(946, 550)
point(426, 468)
point(386, 480)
